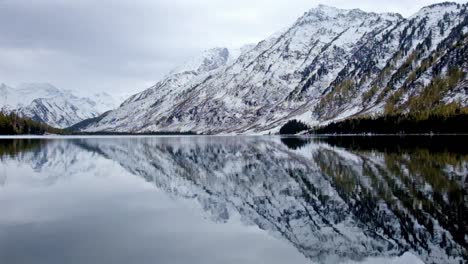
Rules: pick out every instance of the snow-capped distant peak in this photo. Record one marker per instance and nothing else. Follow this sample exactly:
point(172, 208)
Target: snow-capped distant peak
point(25, 93)
point(209, 60)
point(46, 88)
point(57, 107)
point(441, 5)
point(436, 9)
point(327, 8)
point(322, 12)
point(235, 53)
point(105, 101)
point(330, 11)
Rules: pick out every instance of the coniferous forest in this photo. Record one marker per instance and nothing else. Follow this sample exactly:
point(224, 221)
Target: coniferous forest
point(12, 124)
point(294, 127)
point(400, 124)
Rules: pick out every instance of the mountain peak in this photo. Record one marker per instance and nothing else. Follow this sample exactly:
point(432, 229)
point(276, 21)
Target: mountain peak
point(442, 4)
point(330, 11)
point(46, 103)
point(326, 10)
point(45, 89)
point(329, 65)
point(437, 9)
point(326, 7)
point(209, 60)
point(36, 85)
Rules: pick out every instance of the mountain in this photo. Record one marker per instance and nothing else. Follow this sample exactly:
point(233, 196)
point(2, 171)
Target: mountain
point(25, 93)
point(45, 103)
point(156, 101)
point(105, 102)
point(331, 64)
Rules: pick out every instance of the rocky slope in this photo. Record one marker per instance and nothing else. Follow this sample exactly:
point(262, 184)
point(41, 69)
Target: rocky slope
point(329, 65)
point(155, 102)
point(48, 104)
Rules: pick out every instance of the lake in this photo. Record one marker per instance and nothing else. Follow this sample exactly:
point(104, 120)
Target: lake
point(234, 200)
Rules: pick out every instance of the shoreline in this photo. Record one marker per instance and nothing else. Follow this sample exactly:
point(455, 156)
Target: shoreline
point(219, 135)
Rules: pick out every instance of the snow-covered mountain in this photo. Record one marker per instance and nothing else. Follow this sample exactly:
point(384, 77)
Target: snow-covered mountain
point(156, 101)
point(59, 108)
point(25, 93)
point(105, 102)
point(330, 64)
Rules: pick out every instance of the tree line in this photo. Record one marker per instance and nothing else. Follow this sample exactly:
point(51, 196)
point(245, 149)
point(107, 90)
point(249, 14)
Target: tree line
point(455, 123)
point(293, 127)
point(12, 124)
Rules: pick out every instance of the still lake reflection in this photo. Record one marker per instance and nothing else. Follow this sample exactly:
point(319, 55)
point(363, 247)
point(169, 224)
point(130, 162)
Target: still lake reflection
point(234, 200)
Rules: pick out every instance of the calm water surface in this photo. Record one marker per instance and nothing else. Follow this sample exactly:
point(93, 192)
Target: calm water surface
point(234, 200)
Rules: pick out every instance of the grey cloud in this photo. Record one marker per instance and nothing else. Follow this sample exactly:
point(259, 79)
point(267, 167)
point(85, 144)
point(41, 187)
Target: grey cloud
point(123, 45)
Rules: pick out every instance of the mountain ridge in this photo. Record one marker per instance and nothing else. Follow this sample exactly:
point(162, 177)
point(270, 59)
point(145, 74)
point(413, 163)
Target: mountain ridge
point(43, 102)
point(331, 64)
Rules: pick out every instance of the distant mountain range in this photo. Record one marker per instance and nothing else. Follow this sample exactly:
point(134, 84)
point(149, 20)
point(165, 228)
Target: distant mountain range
point(45, 103)
point(331, 64)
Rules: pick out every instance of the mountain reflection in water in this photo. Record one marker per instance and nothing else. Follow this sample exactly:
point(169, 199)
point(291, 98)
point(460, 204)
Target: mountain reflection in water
point(333, 199)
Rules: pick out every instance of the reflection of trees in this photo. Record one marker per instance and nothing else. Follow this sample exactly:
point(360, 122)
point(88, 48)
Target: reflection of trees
point(14, 147)
point(400, 144)
point(407, 195)
point(295, 143)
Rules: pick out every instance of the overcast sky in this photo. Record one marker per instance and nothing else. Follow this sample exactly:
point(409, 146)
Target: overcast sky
point(127, 45)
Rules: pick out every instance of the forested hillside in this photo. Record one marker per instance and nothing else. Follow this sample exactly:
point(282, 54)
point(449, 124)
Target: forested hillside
point(449, 121)
point(11, 124)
